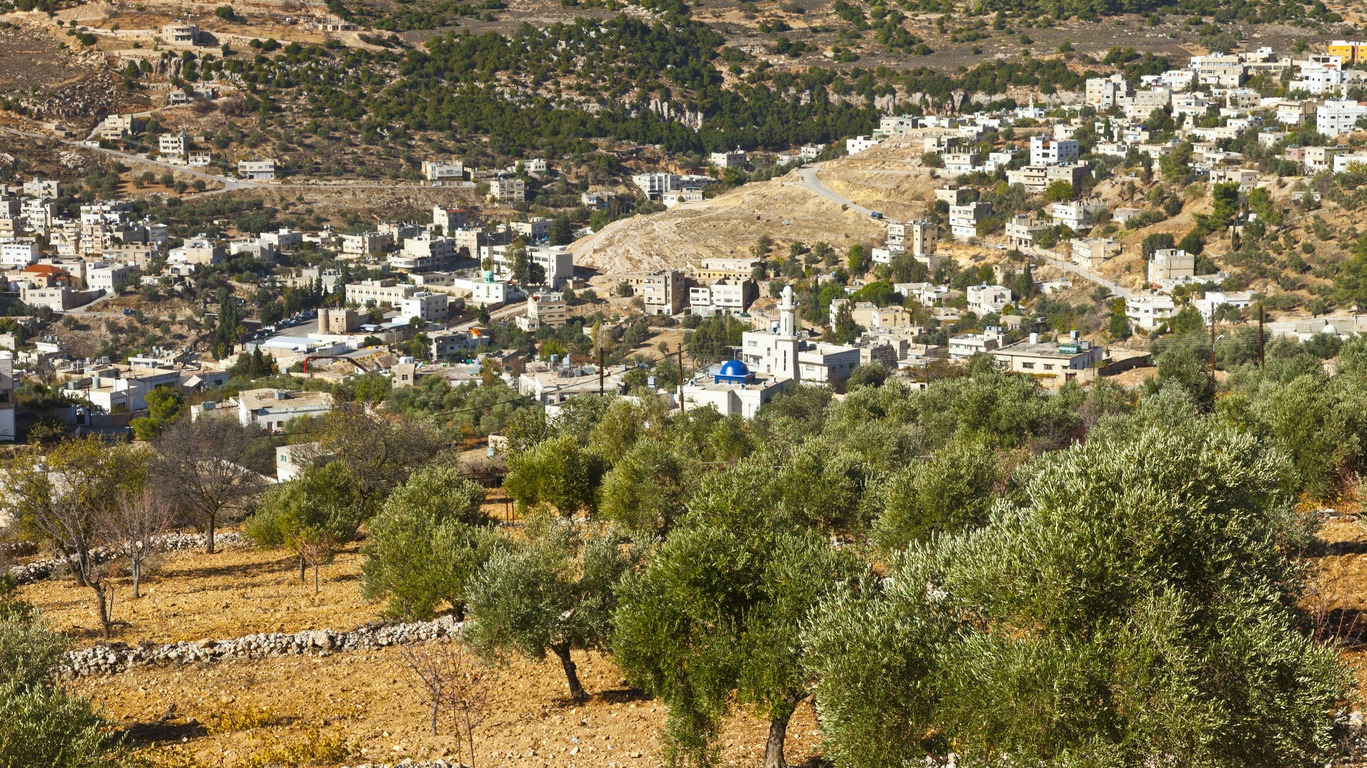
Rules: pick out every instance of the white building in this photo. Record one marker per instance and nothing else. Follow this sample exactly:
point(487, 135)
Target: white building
point(1149, 311)
point(734, 390)
point(1339, 116)
point(1078, 216)
point(733, 159)
point(1044, 152)
point(1213, 300)
point(508, 190)
point(19, 254)
point(173, 144)
point(1171, 264)
point(433, 170)
point(860, 143)
point(257, 170)
point(963, 219)
point(984, 299)
point(272, 409)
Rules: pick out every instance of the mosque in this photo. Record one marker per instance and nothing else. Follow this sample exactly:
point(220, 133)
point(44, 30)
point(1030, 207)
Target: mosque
point(768, 363)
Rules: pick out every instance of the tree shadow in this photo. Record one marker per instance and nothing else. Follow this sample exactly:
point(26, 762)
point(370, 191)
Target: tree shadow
point(622, 695)
point(150, 734)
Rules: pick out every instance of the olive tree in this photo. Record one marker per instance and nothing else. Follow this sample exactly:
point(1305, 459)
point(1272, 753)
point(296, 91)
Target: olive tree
point(427, 542)
point(951, 491)
point(1141, 608)
point(41, 724)
point(559, 471)
point(201, 469)
point(311, 514)
point(552, 594)
point(716, 615)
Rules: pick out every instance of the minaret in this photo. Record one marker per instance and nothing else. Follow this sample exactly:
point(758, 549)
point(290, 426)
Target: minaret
point(787, 314)
point(786, 345)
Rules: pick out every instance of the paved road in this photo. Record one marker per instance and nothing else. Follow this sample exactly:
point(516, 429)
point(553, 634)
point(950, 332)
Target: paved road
point(228, 183)
point(812, 183)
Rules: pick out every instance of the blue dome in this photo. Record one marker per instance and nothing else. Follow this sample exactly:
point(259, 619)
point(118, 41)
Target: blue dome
point(734, 368)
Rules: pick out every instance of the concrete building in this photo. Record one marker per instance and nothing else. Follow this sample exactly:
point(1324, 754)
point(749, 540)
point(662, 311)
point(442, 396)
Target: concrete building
point(781, 354)
point(173, 144)
point(664, 292)
point(508, 190)
point(365, 244)
point(1213, 300)
point(733, 159)
point(1149, 311)
point(257, 170)
point(985, 299)
point(1058, 362)
point(18, 254)
point(1091, 253)
point(724, 297)
point(967, 345)
point(1102, 93)
point(1079, 216)
point(427, 306)
point(919, 238)
point(963, 219)
point(547, 308)
point(449, 220)
point(1339, 116)
point(1045, 152)
point(272, 409)
point(1171, 264)
point(438, 171)
point(734, 390)
point(860, 143)
point(110, 278)
point(180, 34)
point(1021, 231)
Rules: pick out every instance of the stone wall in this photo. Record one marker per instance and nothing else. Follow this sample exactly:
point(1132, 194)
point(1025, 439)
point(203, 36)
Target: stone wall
point(108, 660)
point(171, 542)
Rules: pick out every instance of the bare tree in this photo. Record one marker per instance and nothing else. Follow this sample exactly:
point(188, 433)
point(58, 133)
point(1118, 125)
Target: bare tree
point(133, 524)
point(201, 470)
point(66, 498)
point(315, 547)
point(451, 679)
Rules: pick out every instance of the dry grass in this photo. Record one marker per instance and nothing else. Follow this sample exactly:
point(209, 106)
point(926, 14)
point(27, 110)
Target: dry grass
point(353, 706)
point(232, 593)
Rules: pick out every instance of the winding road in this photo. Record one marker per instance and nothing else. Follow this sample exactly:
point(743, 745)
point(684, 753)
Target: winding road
point(812, 183)
point(228, 183)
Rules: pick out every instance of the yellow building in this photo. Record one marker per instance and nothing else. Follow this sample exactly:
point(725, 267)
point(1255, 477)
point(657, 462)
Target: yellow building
point(1351, 52)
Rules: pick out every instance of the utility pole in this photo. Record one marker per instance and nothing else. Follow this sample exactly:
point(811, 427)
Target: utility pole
point(682, 408)
point(1260, 334)
point(1212, 347)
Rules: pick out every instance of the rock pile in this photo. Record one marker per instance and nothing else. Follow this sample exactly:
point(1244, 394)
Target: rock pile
point(108, 660)
point(171, 542)
point(411, 764)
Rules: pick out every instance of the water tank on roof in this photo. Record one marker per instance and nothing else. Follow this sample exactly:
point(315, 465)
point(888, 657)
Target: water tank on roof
point(555, 359)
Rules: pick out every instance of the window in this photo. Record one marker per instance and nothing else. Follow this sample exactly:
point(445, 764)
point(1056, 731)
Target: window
point(1048, 366)
point(1028, 366)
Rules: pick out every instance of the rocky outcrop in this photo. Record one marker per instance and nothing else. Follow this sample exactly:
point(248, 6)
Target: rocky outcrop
point(171, 542)
point(108, 660)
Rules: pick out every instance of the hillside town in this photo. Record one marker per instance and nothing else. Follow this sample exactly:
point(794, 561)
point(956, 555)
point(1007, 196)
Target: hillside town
point(439, 384)
point(442, 276)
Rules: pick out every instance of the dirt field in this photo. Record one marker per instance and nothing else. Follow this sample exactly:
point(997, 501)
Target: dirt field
point(235, 712)
point(363, 706)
